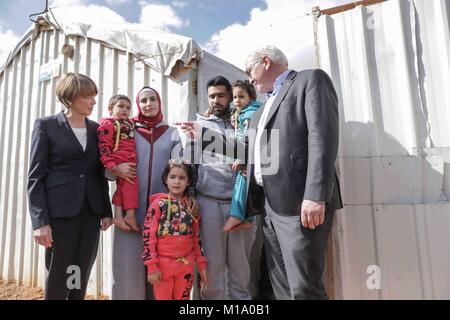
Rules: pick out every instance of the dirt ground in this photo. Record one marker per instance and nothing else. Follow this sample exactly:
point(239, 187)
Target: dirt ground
point(12, 291)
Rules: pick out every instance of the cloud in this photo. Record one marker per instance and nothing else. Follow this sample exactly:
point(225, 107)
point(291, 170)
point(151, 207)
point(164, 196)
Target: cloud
point(179, 4)
point(116, 2)
point(8, 39)
point(80, 11)
point(283, 24)
point(161, 16)
point(152, 16)
point(66, 3)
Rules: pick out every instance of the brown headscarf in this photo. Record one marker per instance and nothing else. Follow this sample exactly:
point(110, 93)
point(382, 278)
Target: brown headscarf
point(147, 126)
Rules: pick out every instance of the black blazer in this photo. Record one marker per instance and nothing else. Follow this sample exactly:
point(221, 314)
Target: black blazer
point(62, 174)
point(302, 144)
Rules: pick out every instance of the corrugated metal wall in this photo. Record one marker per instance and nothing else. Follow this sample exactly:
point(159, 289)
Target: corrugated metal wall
point(23, 99)
point(390, 64)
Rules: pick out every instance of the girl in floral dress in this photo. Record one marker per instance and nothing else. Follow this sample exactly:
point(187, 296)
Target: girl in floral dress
point(172, 244)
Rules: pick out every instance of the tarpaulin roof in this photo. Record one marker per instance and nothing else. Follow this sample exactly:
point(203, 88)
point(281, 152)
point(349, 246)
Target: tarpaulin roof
point(160, 50)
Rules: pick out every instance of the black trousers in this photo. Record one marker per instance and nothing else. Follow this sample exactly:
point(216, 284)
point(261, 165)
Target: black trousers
point(264, 289)
point(69, 261)
point(295, 255)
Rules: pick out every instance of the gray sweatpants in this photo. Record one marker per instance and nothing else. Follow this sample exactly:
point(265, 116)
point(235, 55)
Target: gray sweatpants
point(227, 253)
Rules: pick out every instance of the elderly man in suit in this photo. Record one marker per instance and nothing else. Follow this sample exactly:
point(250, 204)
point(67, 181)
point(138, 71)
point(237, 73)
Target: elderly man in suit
point(291, 170)
point(292, 145)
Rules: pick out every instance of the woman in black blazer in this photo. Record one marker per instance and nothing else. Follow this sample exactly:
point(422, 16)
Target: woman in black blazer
point(67, 191)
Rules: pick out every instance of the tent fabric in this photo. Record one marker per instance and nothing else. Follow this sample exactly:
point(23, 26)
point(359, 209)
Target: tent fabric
point(158, 49)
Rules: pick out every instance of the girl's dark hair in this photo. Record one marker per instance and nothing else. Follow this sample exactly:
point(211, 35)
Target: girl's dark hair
point(186, 166)
point(113, 100)
point(247, 86)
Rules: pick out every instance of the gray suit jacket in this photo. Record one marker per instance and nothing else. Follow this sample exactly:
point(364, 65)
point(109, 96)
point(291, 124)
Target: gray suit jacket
point(301, 146)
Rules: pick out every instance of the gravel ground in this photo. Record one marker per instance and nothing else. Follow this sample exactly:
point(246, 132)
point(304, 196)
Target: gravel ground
point(12, 291)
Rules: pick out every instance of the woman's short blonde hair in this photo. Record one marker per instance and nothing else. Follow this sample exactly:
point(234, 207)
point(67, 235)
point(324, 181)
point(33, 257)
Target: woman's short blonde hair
point(72, 85)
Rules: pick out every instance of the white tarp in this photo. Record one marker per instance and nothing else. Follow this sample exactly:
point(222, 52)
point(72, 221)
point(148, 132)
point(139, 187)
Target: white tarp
point(158, 49)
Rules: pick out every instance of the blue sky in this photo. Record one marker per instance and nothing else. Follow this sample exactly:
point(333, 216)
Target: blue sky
point(205, 17)
point(229, 29)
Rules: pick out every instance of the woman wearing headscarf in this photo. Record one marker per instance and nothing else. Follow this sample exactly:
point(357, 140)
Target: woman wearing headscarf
point(156, 143)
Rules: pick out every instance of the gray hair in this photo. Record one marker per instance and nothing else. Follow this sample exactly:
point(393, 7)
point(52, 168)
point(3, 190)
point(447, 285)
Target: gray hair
point(272, 52)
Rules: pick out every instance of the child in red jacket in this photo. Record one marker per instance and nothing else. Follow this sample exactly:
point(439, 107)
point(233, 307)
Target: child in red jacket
point(171, 236)
point(117, 145)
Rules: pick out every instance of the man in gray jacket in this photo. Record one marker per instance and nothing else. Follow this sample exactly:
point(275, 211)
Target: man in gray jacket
point(291, 170)
point(227, 253)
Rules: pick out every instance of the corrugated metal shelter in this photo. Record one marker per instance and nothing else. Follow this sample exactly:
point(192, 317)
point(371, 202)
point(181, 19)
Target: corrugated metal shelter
point(390, 63)
point(119, 60)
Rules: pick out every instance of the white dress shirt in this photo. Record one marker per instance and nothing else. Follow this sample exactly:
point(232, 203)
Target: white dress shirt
point(259, 132)
point(262, 123)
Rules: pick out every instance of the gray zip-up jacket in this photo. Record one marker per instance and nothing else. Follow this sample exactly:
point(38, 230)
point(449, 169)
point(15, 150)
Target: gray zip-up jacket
point(215, 176)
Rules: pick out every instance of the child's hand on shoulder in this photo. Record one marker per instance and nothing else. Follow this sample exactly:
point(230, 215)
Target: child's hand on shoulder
point(237, 166)
point(154, 277)
point(207, 113)
point(244, 171)
point(233, 119)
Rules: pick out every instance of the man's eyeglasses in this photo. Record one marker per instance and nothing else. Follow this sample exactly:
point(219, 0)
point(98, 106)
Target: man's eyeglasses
point(252, 67)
